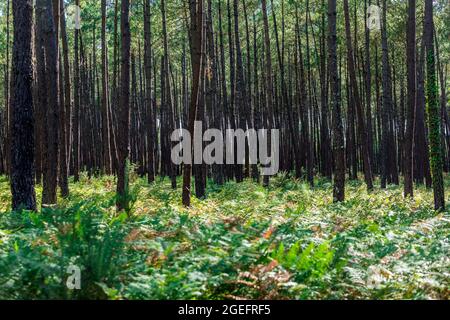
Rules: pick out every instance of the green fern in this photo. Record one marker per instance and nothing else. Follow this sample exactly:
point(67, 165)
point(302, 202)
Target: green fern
point(312, 262)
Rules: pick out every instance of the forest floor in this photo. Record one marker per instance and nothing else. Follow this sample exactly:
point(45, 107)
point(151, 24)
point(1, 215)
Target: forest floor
point(244, 242)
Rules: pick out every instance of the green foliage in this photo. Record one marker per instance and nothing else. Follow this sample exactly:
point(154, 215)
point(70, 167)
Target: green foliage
point(435, 133)
point(38, 249)
point(310, 262)
point(244, 241)
point(129, 196)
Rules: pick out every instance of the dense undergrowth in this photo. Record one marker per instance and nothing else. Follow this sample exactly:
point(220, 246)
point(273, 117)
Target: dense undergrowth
point(243, 242)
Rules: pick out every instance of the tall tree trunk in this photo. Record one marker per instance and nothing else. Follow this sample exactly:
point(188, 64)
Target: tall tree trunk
point(326, 157)
point(248, 81)
point(148, 92)
point(115, 94)
point(122, 201)
point(22, 118)
point(232, 122)
point(308, 109)
point(48, 24)
point(338, 141)
point(199, 169)
point(241, 95)
point(269, 83)
point(411, 99)
point(368, 85)
point(293, 125)
point(256, 97)
point(65, 113)
point(443, 104)
point(357, 102)
point(212, 93)
point(224, 97)
point(168, 96)
point(40, 102)
point(8, 88)
point(196, 39)
point(389, 169)
point(62, 177)
point(77, 105)
point(106, 136)
point(422, 161)
point(433, 111)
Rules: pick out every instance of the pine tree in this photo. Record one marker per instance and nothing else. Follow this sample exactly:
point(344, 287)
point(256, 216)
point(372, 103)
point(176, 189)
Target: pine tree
point(122, 201)
point(22, 118)
point(433, 111)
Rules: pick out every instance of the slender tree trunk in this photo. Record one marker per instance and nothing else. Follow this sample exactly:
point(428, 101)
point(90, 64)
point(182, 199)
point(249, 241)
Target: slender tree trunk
point(107, 160)
point(114, 108)
point(248, 81)
point(196, 39)
point(387, 153)
point(338, 141)
point(122, 201)
point(241, 95)
point(443, 104)
point(411, 99)
point(63, 180)
point(422, 161)
point(212, 93)
point(168, 96)
point(148, 91)
point(308, 109)
point(269, 83)
point(77, 105)
point(232, 121)
point(368, 85)
point(8, 89)
point(48, 23)
point(293, 125)
point(65, 114)
point(224, 101)
point(256, 97)
point(199, 170)
point(357, 101)
point(40, 102)
point(326, 157)
point(433, 111)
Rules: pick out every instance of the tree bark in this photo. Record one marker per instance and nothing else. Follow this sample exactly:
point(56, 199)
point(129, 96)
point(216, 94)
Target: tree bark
point(148, 92)
point(22, 118)
point(122, 201)
point(433, 111)
point(168, 96)
point(338, 141)
point(47, 21)
point(357, 102)
point(77, 105)
point(196, 38)
point(389, 172)
point(411, 99)
point(106, 136)
point(269, 83)
point(65, 110)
